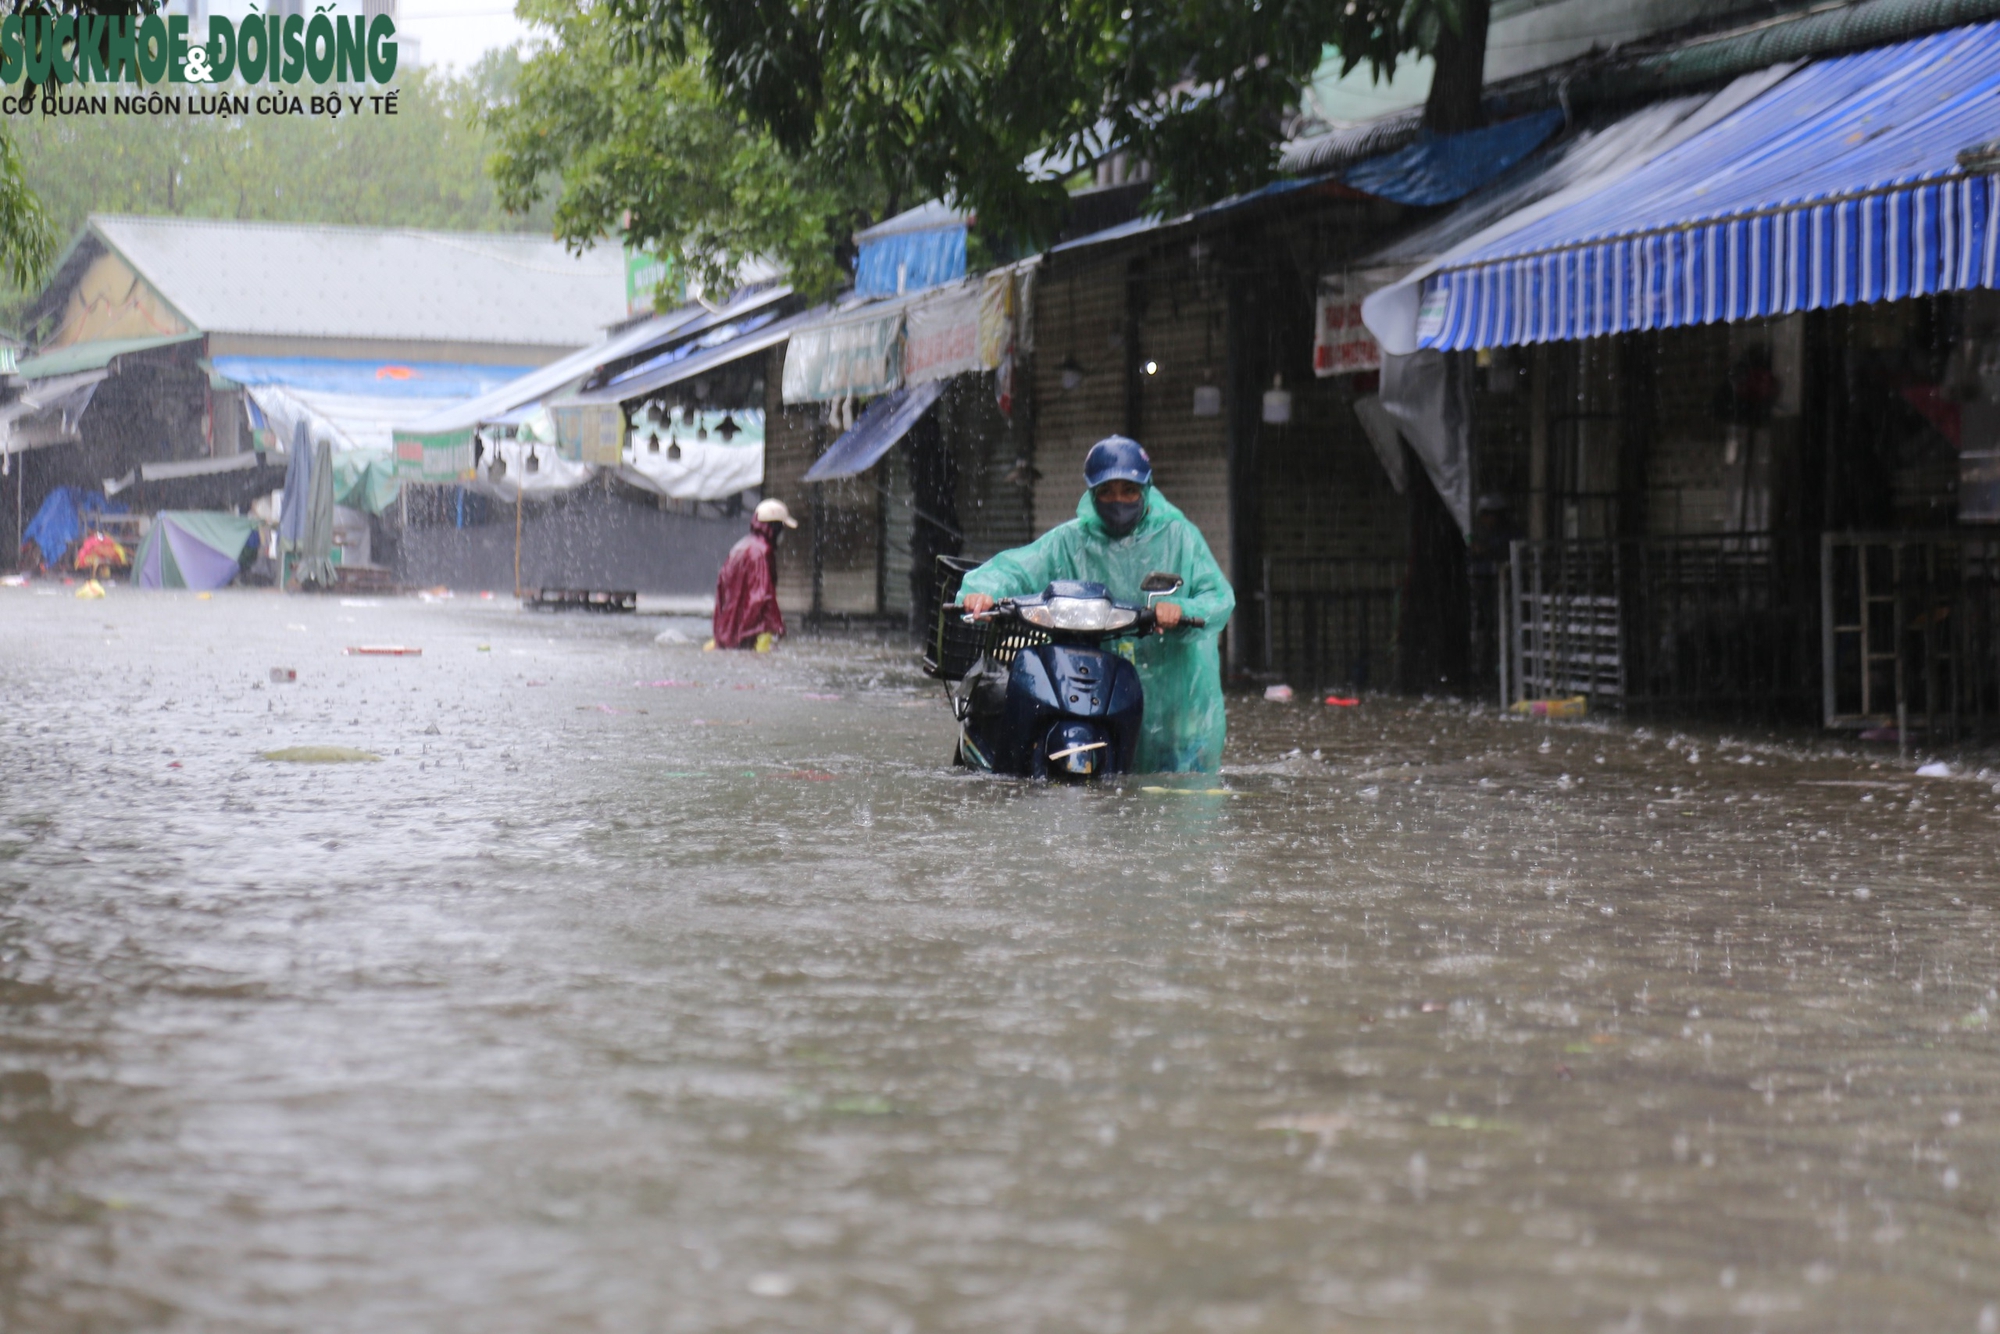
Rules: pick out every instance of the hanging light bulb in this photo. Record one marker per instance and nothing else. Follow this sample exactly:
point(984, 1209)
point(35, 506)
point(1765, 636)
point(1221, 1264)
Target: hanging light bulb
point(674, 451)
point(701, 433)
point(653, 443)
point(727, 428)
point(1277, 402)
point(687, 415)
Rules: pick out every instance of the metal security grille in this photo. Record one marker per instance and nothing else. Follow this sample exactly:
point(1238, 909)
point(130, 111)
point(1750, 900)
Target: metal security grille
point(1910, 631)
point(1719, 623)
point(1332, 622)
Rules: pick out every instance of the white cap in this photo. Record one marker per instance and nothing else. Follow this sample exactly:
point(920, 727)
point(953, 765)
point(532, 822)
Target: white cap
point(774, 511)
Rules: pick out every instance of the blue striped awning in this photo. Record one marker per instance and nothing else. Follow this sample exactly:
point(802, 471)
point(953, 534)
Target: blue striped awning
point(1841, 185)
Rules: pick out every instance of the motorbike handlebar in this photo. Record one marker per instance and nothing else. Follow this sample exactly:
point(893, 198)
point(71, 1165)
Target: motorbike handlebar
point(1005, 606)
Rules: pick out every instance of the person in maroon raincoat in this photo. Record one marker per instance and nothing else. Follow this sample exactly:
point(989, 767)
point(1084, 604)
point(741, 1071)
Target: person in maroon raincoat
point(746, 592)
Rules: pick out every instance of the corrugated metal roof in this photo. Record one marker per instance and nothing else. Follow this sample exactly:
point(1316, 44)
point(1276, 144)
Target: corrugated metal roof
point(285, 280)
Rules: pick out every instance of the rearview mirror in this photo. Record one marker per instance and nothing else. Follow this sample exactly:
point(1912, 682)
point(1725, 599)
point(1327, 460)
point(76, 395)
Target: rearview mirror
point(1159, 583)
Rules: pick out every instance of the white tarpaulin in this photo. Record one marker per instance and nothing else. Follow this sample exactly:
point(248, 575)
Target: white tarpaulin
point(551, 473)
point(350, 421)
point(692, 461)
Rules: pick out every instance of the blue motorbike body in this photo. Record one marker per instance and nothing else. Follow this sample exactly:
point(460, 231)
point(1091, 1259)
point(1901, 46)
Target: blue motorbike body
point(1071, 711)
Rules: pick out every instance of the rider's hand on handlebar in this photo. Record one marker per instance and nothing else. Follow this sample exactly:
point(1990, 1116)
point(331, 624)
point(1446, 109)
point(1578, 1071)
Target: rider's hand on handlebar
point(1168, 614)
point(975, 603)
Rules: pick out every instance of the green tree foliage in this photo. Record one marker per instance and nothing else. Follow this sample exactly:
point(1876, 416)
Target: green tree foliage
point(650, 151)
point(993, 102)
point(28, 235)
point(423, 167)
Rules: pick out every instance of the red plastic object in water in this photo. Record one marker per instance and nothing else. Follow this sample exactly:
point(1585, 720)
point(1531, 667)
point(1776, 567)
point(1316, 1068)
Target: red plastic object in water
point(1337, 702)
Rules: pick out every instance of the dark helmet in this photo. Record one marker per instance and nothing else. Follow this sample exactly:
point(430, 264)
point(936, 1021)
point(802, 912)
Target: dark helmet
point(1117, 458)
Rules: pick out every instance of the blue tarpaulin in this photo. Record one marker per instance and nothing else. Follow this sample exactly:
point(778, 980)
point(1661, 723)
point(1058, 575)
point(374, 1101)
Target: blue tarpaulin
point(910, 261)
point(887, 420)
point(1439, 168)
point(61, 520)
point(370, 379)
point(1841, 185)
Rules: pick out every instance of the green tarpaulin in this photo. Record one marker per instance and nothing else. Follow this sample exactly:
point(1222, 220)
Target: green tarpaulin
point(365, 481)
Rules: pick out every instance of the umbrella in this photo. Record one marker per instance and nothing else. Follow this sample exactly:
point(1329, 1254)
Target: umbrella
point(298, 481)
point(316, 535)
point(192, 549)
point(305, 522)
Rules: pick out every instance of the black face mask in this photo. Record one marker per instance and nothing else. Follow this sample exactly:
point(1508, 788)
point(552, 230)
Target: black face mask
point(1120, 517)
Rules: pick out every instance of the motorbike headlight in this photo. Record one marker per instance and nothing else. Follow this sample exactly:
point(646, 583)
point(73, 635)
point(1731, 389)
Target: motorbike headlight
point(1085, 614)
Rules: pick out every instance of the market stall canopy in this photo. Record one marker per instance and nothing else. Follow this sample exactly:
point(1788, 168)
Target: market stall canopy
point(1843, 184)
point(192, 549)
point(621, 354)
point(47, 410)
point(719, 347)
point(1593, 157)
point(356, 404)
point(498, 404)
point(887, 420)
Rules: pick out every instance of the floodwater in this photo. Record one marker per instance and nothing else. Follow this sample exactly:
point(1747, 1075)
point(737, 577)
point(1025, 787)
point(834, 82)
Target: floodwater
point(642, 989)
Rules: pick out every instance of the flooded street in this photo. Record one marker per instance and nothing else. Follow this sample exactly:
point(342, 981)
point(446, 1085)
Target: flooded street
point(642, 989)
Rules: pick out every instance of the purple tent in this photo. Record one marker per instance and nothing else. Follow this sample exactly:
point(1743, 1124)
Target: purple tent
point(192, 549)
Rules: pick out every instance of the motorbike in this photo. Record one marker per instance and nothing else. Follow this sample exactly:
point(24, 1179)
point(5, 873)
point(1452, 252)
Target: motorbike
point(1045, 694)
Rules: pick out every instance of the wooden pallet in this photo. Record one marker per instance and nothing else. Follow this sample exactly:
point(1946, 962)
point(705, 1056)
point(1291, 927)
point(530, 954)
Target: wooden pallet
point(581, 599)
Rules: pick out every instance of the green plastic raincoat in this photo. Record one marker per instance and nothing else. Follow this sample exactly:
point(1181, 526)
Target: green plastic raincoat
point(1181, 670)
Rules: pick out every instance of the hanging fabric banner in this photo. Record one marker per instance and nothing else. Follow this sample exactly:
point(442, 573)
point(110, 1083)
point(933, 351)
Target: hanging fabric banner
point(1342, 344)
point(855, 357)
point(942, 336)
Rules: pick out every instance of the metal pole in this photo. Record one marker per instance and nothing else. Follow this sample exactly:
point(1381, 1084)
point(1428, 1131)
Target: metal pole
point(518, 490)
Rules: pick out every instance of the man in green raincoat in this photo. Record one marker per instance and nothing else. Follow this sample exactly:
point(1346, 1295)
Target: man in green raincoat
point(1123, 531)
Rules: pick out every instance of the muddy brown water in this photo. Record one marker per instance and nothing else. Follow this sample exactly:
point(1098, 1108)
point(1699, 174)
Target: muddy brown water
point(641, 989)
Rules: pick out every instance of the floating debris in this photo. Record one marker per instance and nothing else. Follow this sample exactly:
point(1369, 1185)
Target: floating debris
point(1576, 706)
point(383, 651)
point(319, 755)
